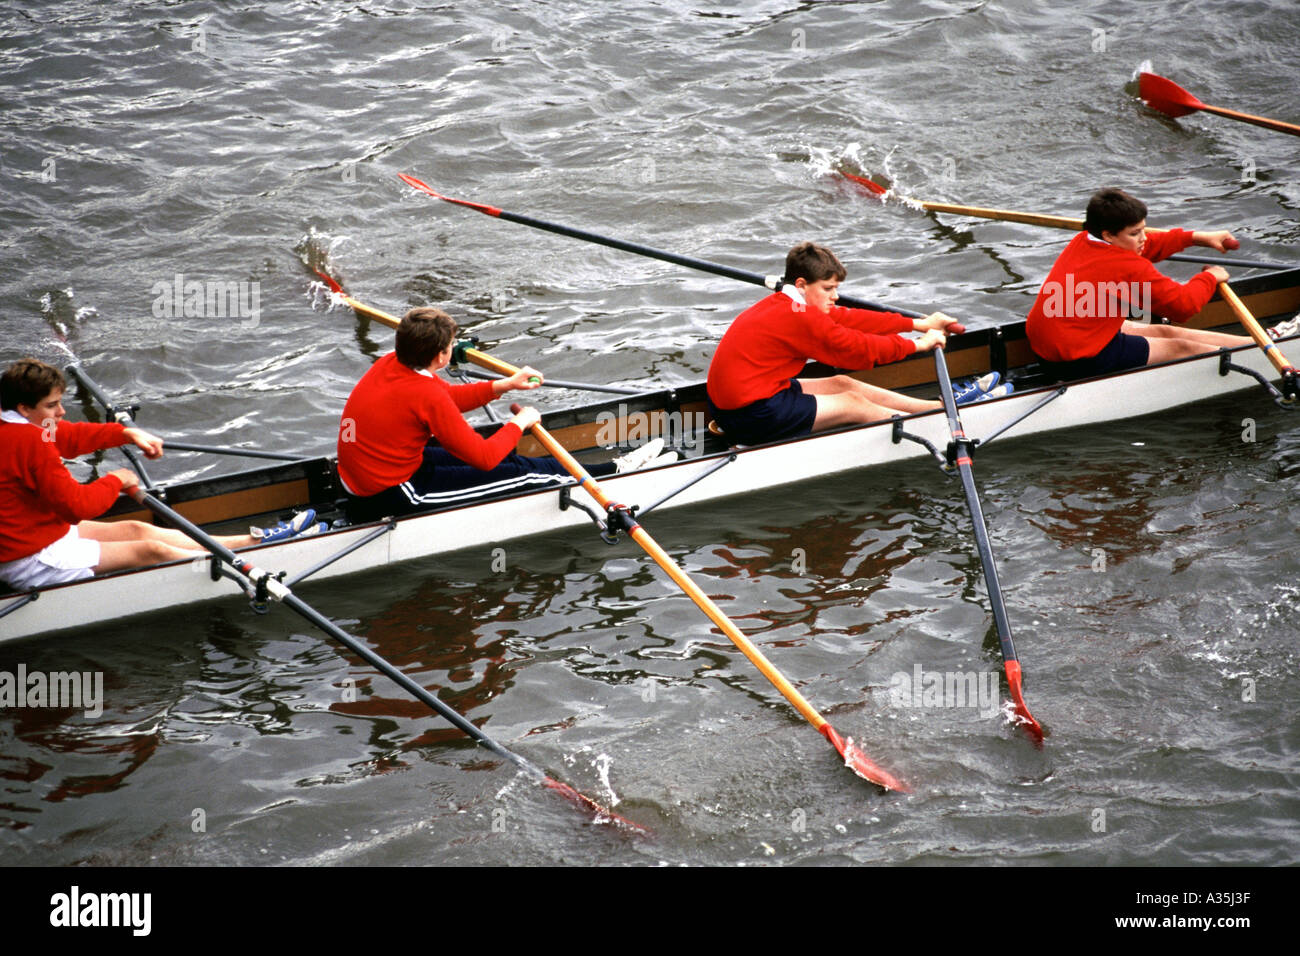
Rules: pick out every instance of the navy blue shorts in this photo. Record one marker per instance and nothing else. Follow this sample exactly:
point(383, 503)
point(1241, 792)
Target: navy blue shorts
point(787, 414)
point(1121, 352)
point(443, 480)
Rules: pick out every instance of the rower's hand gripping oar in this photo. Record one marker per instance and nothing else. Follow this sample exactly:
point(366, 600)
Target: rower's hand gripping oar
point(959, 455)
point(264, 581)
point(1171, 99)
point(620, 518)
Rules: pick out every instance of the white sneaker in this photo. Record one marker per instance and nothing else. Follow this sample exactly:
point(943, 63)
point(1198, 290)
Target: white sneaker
point(667, 458)
point(1284, 329)
point(639, 457)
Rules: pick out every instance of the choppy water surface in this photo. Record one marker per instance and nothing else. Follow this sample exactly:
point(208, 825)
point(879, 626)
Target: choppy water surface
point(1149, 567)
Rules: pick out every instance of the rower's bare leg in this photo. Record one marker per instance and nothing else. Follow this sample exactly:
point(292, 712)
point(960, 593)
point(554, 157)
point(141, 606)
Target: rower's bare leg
point(1172, 341)
point(143, 531)
point(845, 384)
point(842, 400)
point(116, 555)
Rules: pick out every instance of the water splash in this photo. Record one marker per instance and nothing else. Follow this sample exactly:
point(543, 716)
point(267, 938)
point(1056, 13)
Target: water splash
point(55, 308)
point(602, 764)
point(506, 790)
point(323, 298)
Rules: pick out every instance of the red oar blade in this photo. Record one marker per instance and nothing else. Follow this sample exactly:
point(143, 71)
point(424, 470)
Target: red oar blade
point(587, 803)
point(1026, 719)
point(864, 181)
point(1166, 95)
point(329, 281)
point(861, 764)
point(424, 188)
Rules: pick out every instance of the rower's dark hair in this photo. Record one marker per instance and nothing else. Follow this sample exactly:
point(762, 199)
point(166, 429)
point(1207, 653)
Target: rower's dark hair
point(422, 335)
point(27, 382)
point(812, 263)
point(1112, 210)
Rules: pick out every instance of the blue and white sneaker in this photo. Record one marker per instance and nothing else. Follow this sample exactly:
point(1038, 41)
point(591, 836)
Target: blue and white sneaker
point(971, 389)
point(1003, 390)
point(303, 523)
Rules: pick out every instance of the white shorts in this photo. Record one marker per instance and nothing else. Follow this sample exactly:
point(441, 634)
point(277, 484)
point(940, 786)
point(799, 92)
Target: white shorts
point(71, 558)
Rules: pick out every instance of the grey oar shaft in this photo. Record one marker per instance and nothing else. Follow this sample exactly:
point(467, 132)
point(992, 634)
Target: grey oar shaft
point(980, 527)
point(291, 600)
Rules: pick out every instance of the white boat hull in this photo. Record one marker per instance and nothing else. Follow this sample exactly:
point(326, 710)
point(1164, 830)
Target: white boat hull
point(1125, 395)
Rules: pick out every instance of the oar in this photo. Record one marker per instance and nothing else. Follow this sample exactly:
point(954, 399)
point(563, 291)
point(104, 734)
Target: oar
point(703, 265)
point(961, 449)
point(622, 517)
point(1285, 368)
point(1052, 222)
point(1171, 99)
point(276, 590)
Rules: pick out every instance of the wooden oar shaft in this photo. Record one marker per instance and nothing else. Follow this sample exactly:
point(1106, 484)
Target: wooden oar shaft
point(853, 756)
point(746, 646)
point(1256, 331)
point(682, 580)
point(483, 360)
point(370, 312)
point(1264, 121)
point(1006, 215)
point(1062, 222)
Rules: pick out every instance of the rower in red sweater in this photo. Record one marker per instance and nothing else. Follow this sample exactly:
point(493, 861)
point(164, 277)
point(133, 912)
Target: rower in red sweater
point(46, 535)
point(386, 463)
point(754, 394)
point(1081, 323)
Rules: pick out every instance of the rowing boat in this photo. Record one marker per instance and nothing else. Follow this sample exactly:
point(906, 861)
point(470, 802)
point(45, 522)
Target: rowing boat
point(711, 469)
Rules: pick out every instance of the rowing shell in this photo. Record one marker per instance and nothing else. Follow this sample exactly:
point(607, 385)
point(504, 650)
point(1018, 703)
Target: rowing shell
point(233, 500)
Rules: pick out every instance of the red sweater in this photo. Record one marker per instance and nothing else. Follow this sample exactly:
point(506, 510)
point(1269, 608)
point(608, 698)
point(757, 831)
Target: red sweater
point(394, 411)
point(770, 342)
point(1088, 293)
point(39, 498)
